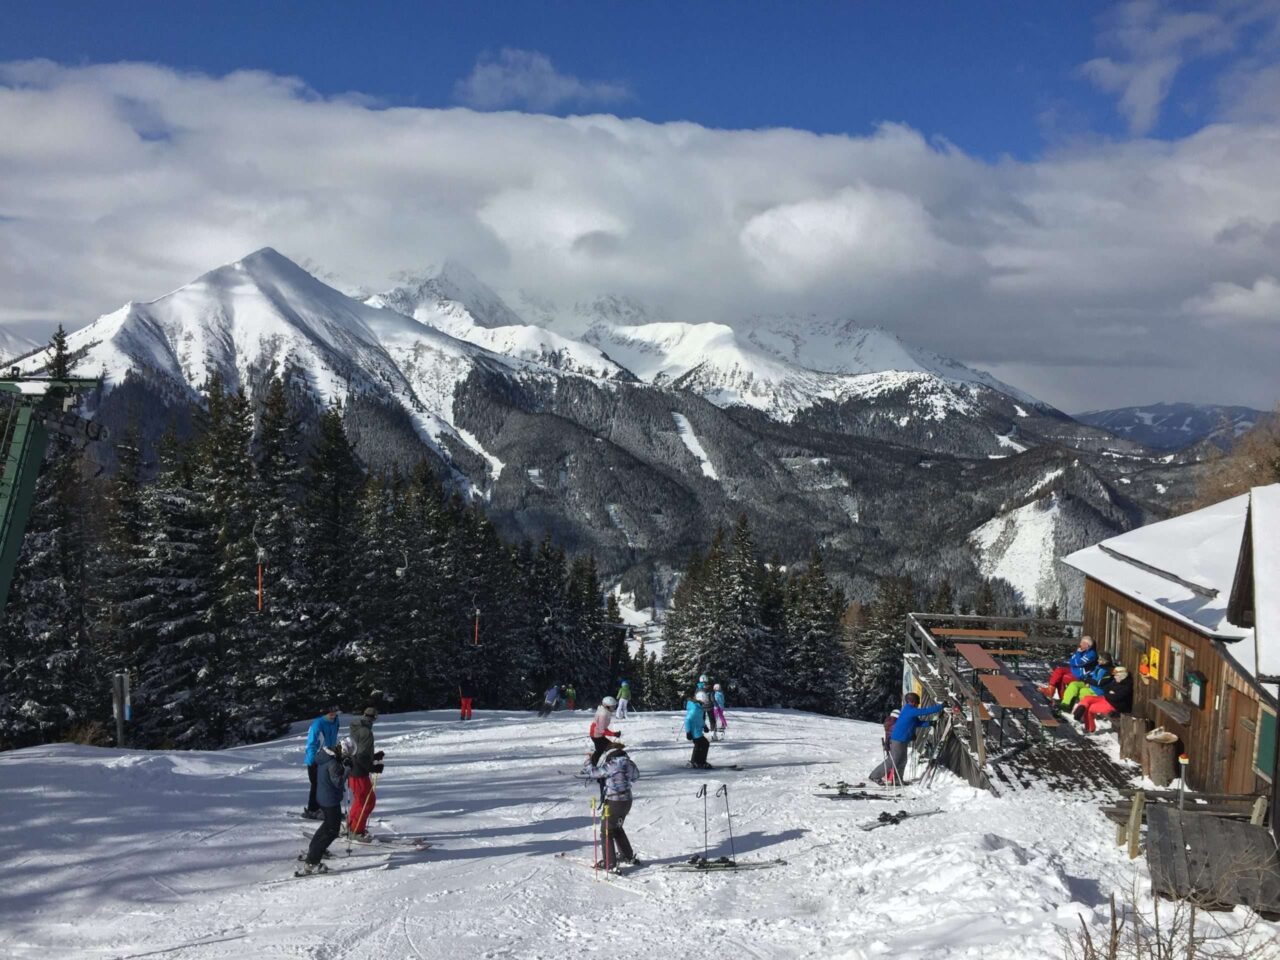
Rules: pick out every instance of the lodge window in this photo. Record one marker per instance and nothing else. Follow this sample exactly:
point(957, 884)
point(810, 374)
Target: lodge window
point(1179, 659)
point(1139, 637)
point(1111, 641)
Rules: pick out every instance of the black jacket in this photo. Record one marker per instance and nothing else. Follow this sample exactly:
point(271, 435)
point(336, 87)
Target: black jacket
point(362, 760)
point(1119, 693)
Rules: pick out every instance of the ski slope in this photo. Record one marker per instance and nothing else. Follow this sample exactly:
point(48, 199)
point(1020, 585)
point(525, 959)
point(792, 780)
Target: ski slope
point(181, 855)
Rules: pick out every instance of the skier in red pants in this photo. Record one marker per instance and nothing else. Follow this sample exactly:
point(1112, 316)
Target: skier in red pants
point(364, 763)
point(465, 697)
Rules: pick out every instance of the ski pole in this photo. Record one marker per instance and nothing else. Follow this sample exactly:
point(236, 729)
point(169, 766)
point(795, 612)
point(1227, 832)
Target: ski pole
point(607, 852)
point(724, 790)
point(703, 794)
point(595, 850)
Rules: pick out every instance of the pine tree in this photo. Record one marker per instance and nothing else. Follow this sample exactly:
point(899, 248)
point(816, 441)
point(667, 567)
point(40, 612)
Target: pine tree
point(178, 694)
point(816, 667)
point(876, 682)
point(121, 591)
point(984, 604)
point(943, 600)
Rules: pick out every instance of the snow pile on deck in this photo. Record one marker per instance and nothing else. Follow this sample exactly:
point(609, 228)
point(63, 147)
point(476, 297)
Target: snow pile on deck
point(112, 853)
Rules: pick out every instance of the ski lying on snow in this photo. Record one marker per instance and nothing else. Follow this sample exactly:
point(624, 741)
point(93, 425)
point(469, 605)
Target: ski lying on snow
point(699, 865)
point(856, 795)
point(711, 769)
point(888, 819)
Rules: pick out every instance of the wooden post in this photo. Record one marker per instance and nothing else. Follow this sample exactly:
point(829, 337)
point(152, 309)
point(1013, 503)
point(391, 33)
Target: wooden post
point(1135, 823)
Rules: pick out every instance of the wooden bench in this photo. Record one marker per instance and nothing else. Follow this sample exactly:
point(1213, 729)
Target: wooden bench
point(1040, 709)
point(990, 634)
point(977, 658)
point(1012, 654)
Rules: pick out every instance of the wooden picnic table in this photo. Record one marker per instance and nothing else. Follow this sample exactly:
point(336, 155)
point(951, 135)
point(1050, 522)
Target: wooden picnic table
point(973, 632)
point(977, 658)
point(1005, 691)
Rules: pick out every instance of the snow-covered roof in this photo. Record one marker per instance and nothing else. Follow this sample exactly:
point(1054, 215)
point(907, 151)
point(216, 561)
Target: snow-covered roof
point(1264, 523)
point(1184, 566)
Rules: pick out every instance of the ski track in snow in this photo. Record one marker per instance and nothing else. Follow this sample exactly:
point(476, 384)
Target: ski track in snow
point(694, 444)
point(120, 853)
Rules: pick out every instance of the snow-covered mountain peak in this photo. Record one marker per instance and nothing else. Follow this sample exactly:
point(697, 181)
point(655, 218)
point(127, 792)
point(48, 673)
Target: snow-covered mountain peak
point(843, 347)
point(455, 301)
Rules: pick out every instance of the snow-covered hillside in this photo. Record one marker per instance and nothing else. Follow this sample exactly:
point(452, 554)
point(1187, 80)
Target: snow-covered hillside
point(1172, 426)
point(14, 345)
point(122, 854)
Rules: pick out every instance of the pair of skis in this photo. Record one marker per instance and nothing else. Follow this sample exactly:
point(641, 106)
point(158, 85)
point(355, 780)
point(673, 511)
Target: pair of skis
point(888, 819)
point(850, 791)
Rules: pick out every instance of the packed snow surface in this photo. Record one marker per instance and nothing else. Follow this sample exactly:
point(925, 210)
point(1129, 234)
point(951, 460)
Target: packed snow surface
point(694, 444)
point(120, 854)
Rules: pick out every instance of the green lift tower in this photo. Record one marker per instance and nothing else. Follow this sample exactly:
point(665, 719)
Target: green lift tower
point(30, 409)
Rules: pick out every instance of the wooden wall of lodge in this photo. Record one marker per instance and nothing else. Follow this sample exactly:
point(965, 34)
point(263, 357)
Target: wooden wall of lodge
point(1207, 736)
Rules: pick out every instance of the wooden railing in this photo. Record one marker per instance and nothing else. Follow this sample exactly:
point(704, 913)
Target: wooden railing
point(922, 643)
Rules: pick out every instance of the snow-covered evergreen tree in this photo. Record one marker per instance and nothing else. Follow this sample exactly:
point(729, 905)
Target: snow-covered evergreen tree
point(816, 665)
point(876, 682)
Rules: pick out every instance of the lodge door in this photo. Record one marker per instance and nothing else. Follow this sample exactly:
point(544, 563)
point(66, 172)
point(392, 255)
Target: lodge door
point(1243, 719)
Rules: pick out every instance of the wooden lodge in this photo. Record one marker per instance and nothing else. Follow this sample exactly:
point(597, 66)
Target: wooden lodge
point(1189, 605)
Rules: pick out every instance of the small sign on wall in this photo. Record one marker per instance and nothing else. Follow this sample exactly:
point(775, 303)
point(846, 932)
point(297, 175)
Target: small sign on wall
point(1196, 683)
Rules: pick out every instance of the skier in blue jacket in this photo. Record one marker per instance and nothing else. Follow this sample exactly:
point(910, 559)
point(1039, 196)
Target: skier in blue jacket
point(695, 723)
point(322, 733)
point(911, 717)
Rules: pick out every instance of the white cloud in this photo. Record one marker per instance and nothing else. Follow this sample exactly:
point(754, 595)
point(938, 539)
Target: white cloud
point(526, 78)
point(1154, 39)
point(1231, 302)
point(129, 180)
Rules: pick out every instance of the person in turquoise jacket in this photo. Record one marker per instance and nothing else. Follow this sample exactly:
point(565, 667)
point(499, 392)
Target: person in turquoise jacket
point(717, 710)
point(695, 722)
point(322, 733)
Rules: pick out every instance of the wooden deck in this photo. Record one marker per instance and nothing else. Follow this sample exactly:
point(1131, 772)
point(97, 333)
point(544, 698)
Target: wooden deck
point(1069, 764)
point(1215, 862)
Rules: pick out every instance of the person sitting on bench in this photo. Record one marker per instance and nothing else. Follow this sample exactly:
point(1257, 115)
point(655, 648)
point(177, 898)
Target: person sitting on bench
point(1117, 698)
point(1094, 682)
point(1080, 663)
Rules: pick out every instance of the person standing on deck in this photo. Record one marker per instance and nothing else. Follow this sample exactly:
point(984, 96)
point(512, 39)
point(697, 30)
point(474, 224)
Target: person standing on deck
point(323, 733)
point(911, 717)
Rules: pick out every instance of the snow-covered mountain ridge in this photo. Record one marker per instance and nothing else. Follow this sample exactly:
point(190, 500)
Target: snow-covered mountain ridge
point(1173, 426)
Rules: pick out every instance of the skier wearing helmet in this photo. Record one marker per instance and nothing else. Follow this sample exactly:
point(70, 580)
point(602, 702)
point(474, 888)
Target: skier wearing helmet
point(717, 710)
point(695, 721)
point(624, 698)
point(600, 732)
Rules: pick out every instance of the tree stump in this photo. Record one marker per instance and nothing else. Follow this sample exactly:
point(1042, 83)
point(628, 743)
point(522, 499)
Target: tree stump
point(1162, 760)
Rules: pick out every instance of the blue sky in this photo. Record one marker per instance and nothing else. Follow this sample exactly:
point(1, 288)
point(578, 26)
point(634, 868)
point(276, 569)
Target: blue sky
point(991, 77)
point(1080, 197)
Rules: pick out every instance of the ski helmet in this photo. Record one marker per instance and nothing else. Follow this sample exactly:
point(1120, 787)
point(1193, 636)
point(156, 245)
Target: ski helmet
point(701, 696)
point(609, 702)
point(703, 678)
point(717, 686)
